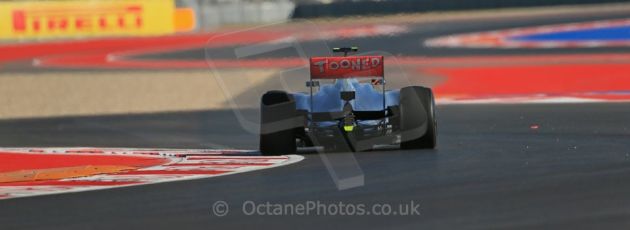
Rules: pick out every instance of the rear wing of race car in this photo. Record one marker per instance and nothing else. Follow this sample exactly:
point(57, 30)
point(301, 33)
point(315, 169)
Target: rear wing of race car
point(347, 67)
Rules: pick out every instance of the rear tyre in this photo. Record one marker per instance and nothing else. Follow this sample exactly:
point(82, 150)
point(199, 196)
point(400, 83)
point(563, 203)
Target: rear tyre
point(277, 124)
point(418, 122)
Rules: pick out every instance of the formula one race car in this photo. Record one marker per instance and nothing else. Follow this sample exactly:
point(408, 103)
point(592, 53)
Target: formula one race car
point(353, 112)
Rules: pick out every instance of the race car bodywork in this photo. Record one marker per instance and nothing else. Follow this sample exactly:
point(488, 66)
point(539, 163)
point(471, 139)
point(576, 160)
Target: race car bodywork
point(348, 114)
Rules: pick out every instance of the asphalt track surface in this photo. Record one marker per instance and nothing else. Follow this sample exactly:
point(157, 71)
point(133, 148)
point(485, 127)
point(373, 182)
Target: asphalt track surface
point(545, 166)
point(491, 171)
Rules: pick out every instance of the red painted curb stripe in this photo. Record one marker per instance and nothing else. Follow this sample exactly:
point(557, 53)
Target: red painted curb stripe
point(223, 164)
point(70, 183)
point(172, 172)
point(479, 82)
point(20, 161)
point(249, 158)
point(178, 167)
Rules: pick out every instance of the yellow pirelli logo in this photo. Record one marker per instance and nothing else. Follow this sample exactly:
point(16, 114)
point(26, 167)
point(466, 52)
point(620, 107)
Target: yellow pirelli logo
point(42, 19)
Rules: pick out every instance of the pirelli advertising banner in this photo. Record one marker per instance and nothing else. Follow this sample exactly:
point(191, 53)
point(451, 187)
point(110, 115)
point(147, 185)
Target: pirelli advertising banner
point(82, 18)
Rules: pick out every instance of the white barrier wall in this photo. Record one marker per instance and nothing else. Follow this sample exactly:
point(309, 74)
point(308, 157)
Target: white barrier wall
point(213, 13)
